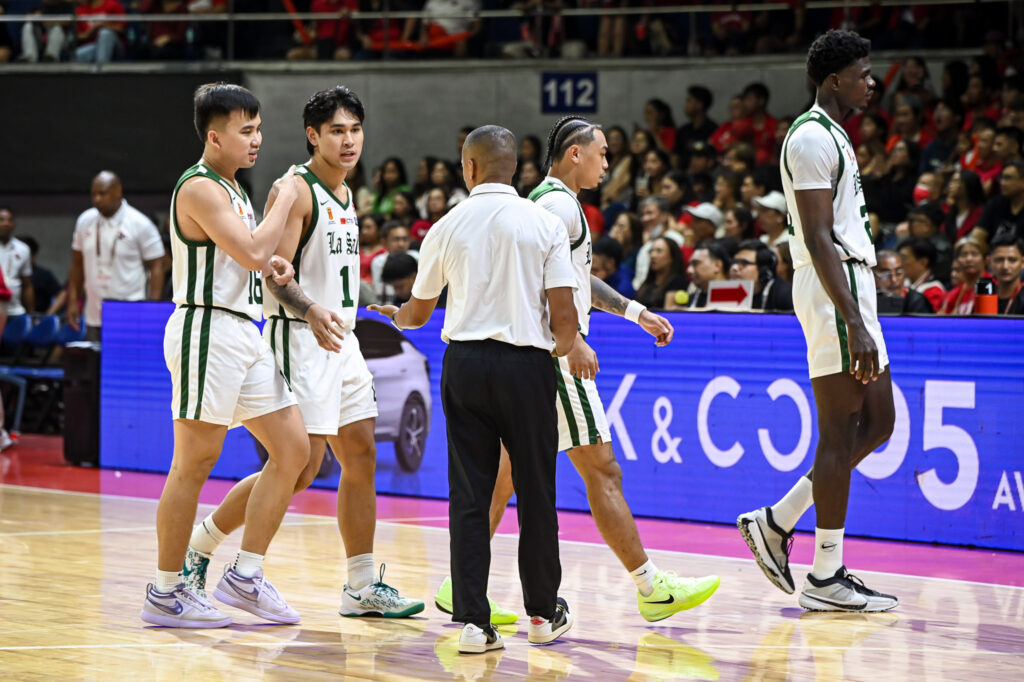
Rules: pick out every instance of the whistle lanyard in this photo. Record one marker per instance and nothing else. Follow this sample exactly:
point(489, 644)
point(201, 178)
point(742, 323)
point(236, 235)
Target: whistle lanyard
point(113, 244)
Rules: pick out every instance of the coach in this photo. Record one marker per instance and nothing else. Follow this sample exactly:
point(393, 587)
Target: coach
point(506, 264)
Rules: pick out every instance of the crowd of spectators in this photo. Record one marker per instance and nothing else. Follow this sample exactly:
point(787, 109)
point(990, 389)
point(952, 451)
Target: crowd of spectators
point(541, 30)
point(681, 206)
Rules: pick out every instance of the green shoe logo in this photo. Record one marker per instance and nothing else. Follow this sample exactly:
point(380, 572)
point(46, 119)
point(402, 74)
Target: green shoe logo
point(353, 596)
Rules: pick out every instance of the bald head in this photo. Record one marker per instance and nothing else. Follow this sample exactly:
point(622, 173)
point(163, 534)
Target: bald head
point(106, 193)
point(489, 155)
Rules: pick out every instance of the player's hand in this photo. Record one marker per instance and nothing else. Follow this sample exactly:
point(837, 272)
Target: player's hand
point(74, 314)
point(327, 327)
point(582, 360)
point(385, 310)
point(864, 364)
point(285, 188)
point(658, 327)
point(280, 270)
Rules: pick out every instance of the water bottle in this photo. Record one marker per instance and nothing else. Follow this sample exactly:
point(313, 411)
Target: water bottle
point(986, 302)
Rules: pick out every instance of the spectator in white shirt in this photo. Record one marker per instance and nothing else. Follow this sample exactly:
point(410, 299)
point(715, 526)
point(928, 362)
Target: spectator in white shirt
point(113, 250)
point(16, 263)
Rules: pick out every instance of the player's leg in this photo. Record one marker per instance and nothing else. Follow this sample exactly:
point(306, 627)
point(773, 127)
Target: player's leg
point(230, 515)
point(197, 446)
point(841, 403)
point(659, 593)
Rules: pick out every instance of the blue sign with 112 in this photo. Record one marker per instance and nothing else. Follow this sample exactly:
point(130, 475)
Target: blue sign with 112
point(568, 93)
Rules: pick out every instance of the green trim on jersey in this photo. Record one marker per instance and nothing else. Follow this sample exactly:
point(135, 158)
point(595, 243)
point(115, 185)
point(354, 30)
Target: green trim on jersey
point(547, 188)
point(190, 173)
point(828, 126)
point(309, 173)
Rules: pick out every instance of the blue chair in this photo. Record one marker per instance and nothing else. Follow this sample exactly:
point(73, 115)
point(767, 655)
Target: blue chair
point(68, 334)
point(16, 330)
point(42, 337)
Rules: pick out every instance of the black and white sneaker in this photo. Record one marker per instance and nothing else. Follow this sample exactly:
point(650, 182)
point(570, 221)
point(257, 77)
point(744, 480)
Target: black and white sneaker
point(544, 631)
point(770, 545)
point(475, 640)
point(843, 592)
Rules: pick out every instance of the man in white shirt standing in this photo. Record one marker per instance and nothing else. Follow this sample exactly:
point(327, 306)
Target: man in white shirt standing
point(16, 263)
point(114, 248)
point(510, 283)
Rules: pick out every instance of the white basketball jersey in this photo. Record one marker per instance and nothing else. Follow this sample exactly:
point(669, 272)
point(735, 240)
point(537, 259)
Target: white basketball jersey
point(206, 276)
point(555, 197)
point(818, 154)
point(327, 259)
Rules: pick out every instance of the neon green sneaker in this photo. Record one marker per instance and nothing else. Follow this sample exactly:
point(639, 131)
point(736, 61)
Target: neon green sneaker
point(673, 594)
point(499, 616)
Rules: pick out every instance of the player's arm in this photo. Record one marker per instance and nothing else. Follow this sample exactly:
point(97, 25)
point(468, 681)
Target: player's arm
point(202, 205)
point(817, 218)
point(605, 298)
point(325, 324)
point(155, 268)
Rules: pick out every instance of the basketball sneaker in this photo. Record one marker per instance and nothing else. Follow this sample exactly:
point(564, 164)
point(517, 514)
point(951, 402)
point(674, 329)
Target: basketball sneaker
point(194, 571)
point(377, 599)
point(843, 592)
point(255, 595)
point(673, 594)
point(771, 546)
point(443, 601)
point(181, 608)
point(545, 631)
point(477, 641)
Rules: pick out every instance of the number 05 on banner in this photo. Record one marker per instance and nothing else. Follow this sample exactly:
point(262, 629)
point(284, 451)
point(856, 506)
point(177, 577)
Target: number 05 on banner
point(568, 93)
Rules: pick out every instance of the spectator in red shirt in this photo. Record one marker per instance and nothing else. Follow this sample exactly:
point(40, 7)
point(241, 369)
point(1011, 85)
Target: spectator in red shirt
point(98, 41)
point(919, 255)
point(762, 125)
point(966, 199)
point(982, 158)
point(978, 102)
point(167, 39)
point(437, 206)
point(970, 253)
point(908, 123)
point(660, 124)
point(371, 243)
point(333, 34)
point(736, 129)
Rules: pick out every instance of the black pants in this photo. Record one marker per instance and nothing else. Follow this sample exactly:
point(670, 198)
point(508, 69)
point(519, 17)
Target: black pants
point(493, 392)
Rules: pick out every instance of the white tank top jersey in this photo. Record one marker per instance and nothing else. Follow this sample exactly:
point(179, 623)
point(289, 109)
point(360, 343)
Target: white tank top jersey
point(817, 154)
point(204, 275)
point(554, 196)
point(327, 259)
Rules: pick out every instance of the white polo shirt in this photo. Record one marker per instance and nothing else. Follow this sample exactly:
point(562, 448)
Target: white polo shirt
point(16, 262)
point(114, 253)
point(497, 253)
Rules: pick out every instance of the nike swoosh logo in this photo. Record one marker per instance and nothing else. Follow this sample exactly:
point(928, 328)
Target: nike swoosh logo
point(324, 202)
point(253, 595)
point(353, 596)
point(176, 611)
point(828, 546)
point(666, 601)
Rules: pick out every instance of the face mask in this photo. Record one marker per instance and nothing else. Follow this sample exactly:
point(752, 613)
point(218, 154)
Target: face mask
point(921, 193)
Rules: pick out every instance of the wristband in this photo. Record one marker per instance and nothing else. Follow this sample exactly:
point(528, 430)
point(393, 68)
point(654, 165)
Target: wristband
point(394, 323)
point(633, 311)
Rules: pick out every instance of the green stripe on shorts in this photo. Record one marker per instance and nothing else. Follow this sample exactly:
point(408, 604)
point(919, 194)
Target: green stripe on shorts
point(186, 338)
point(563, 393)
point(204, 352)
point(588, 412)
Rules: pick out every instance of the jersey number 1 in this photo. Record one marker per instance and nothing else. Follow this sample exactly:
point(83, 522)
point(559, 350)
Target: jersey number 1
point(346, 301)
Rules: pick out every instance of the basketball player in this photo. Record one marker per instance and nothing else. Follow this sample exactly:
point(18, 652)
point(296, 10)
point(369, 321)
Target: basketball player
point(222, 371)
point(576, 156)
point(320, 357)
point(834, 299)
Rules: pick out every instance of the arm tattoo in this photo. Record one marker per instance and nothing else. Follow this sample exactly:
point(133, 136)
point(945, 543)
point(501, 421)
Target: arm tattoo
point(290, 296)
point(603, 297)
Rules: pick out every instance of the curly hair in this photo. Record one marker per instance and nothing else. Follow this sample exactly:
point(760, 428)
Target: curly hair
point(834, 51)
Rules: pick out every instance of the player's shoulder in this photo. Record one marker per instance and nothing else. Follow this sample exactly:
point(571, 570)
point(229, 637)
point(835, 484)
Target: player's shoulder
point(87, 216)
point(810, 128)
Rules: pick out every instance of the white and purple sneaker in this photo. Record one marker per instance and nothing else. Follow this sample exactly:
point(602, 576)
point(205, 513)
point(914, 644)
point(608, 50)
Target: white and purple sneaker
point(255, 595)
point(181, 608)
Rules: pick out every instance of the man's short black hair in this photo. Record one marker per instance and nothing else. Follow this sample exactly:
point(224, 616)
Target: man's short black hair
point(702, 95)
point(1014, 133)
point(389, 226)
point(955, 105)
point(606, 246)
point(833, 51)
point(759, 90)
point(932, 211)
point(399, 266)
point(1005, 239)
point(30, 242)
point(214, 100)
point(983, 123)
point(322, 106)
point(718, 252)
point(923, 249)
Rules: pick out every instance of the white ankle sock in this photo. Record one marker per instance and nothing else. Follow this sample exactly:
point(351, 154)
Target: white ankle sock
point(206, 536)
point(643, 576)
point(828, 552)
point(248, 564)
point(166, 581)
point(787, 511)
point(360, 571)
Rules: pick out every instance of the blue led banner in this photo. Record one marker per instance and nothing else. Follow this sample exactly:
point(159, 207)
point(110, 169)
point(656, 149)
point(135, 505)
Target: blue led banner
point(720, 422)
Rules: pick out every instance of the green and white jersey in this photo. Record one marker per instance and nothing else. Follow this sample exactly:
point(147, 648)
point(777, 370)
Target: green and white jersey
point(203, 274)
point(818, 154)
point(557, 198)
point(327, 259)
